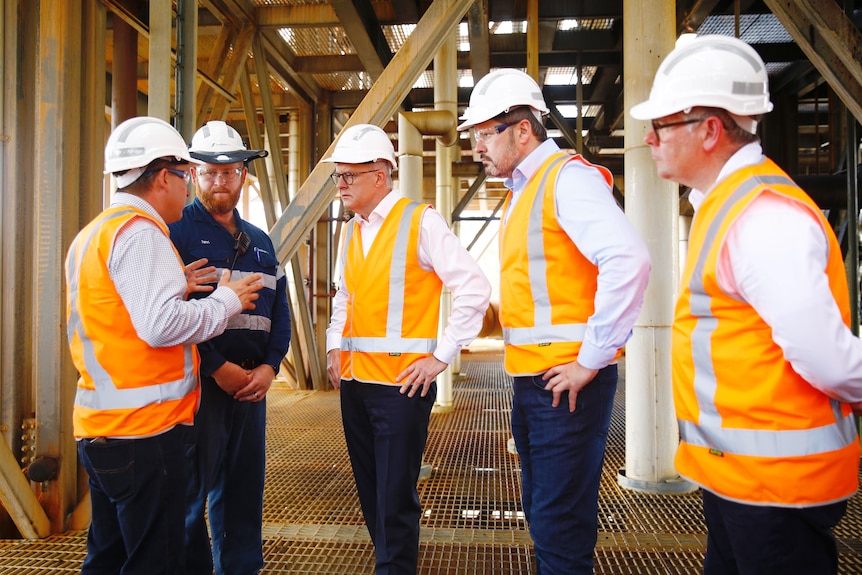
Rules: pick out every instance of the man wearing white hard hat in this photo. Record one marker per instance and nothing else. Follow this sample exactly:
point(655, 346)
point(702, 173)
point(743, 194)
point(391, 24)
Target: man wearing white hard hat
point(572, 277)
point(382, 347)
point(237, 367)
point(766, 370)
point(132, 335)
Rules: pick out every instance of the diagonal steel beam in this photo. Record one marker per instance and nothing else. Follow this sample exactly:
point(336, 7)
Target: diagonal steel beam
point(829, 39)
point(378, 107)
point(359, 21)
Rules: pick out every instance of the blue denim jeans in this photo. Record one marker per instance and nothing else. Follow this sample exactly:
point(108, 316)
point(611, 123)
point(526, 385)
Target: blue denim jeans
point(561, 456)
point(761, 540)
point(386, 433)
point(230, 461)
point(138, 494)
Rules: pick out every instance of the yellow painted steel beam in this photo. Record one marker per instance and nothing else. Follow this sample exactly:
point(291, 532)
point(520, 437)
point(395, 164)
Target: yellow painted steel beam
point(234, 70)
point(378, 107)
point(18, 498)
point(830, 40)
point(480, 52)
point(270, 119)
point(297, 16)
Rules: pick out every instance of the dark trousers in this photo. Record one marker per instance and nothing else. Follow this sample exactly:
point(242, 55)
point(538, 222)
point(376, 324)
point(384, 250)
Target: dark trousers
point(386, 433)
point(230, 462)
point(758, 540)
point(561, 456)
point(138, 498)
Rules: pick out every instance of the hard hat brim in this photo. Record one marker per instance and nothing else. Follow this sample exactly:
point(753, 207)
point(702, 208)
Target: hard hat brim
point(231, 157)
point(650, 110)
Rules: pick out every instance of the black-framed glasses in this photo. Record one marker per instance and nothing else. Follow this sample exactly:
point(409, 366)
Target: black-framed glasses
point(656, 126)
point(213, 175)
point(488, 134)
point(348, 176)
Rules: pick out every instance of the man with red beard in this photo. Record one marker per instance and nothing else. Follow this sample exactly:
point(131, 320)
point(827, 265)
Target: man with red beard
point(237, 367)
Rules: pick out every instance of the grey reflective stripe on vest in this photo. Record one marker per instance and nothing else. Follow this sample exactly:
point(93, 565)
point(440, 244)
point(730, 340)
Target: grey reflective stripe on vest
point(388, 345)
point(393, 342)
point(106, 395)
point(542, 330)
point(269, 280)
point(708, 432)
point(249, 322)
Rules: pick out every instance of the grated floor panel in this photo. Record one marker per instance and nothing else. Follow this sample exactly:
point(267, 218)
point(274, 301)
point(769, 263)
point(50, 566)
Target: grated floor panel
point(472, 522)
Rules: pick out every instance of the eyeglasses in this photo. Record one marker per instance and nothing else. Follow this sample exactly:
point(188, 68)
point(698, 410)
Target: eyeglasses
point(657, 126)
point(184, 174)
point(213, 175)
point(484, 136)
point(348, 176)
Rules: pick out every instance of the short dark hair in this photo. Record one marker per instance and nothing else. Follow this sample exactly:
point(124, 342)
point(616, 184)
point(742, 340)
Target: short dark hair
point(734, 131)
point(142, 184)
point(525, 113)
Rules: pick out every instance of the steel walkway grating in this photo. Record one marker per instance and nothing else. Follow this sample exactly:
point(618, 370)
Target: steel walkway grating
point(472, 522)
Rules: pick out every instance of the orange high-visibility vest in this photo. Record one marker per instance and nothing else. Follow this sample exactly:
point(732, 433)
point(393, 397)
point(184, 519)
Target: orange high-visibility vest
point(752, 429)
point(547, 286)
point(393, 305)
point(126, 388)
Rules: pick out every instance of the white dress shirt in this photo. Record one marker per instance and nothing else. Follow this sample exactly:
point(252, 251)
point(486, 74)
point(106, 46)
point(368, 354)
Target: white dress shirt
point(440, 251)
point(152, 283)
point(774, 258)
point(588, 213)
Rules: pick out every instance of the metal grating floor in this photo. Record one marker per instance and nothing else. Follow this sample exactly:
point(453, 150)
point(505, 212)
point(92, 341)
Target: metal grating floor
point(472, 523)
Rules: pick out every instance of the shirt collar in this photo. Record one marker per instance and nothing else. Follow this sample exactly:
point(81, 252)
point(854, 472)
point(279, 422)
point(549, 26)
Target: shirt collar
point(127, 199)
point(747, 155)
point(379, 213)
point(529, 165)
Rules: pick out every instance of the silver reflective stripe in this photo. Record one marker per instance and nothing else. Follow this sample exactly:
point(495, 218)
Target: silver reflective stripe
point(106, 395)
point(249, 322)
point(536, 253)
point(389, 344)
point(709, 431)
point(542, 330)
point(768, 443)
point(398, 273)
point(268, 280)
point(393, 342)
point(544, 334)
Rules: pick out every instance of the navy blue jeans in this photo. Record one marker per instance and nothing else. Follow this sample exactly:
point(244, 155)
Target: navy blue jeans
point(138, 494)
point(230, 462)
point(386, 433)
point(757, 540)
point(561, 456)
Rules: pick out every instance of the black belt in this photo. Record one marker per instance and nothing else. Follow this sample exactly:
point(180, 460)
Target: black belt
point(248, 364)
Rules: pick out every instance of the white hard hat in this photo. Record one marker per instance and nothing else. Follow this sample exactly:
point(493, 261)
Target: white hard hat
point(218, 143)
point(363, 143)
point(138, 141)
point(500, 91)
point(711, 71)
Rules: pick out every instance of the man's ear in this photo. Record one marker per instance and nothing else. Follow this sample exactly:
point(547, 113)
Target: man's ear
point(713, 130)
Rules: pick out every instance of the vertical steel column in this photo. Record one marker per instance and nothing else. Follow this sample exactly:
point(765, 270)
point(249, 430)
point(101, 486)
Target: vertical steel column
point(187, 64)
point(653, 206)
point(124, 74)
point(159, 82)
point(56, 176)
point(445, 98)
point(533, 39)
